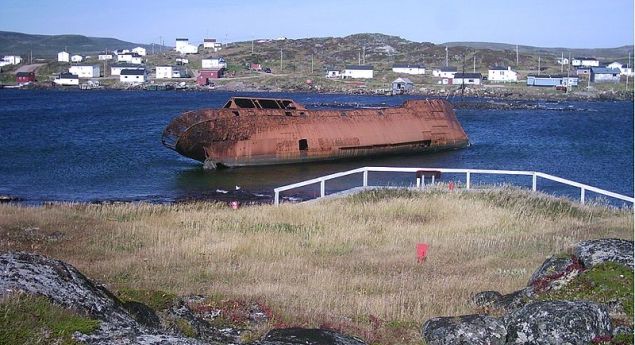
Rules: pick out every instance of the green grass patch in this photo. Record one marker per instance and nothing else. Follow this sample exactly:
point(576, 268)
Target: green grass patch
point(157, 300)
point(28, 319)
point(379, 194)
point(517, 199)
point(607, 282)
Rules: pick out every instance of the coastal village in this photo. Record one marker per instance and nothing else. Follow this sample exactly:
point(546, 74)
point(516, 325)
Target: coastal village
point(203, 66)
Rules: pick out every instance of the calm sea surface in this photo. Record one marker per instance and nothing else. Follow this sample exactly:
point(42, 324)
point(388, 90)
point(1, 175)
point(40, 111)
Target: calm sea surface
point(106, 145)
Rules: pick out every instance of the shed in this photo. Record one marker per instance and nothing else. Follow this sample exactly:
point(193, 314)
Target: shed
point(467, 79)
point(205, 75)
point(409, 69)
point(401, 86)
point(67, 79)
point(25, 77)
point(605, 75)
point(358, 71)
point(552, 80)
point(134, 76)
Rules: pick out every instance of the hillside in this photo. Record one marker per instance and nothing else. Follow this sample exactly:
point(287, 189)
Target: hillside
point(47, 46)
point(618, 53)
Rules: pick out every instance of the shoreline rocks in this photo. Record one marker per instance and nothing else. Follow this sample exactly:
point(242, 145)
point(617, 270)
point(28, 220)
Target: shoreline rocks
point(529, 320)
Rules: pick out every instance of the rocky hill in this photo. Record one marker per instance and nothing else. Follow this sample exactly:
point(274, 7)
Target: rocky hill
point(47, 46)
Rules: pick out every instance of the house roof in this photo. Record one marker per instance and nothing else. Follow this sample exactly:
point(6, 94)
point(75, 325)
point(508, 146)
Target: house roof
point(447, 69)
point(182, 39)
point(67, 75)
point(209, 40)
point(126, 65)
point(360, 67)
point(402, 80)
point(552, 76)
point(498, 68)
point(403, 65)
point(604, 70)
point(468, 75)
point(133, 72)
point(585, 58)
point(91, 66)
point(25, 74)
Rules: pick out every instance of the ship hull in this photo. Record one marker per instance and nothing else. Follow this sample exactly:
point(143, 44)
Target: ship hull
point(234, 136)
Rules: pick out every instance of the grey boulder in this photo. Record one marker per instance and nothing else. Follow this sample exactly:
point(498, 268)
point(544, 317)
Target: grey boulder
point(467, 329)
point(558, 322)
point(595, 252)
point(307, 336)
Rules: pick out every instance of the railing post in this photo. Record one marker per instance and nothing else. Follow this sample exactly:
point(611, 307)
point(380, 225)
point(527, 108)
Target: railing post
point(322, 185)
point(582, 195)
point(365, 178)
point(534, 180)
point(432, 179)
point(467, 180)
point(418, 182)
point(276, 198)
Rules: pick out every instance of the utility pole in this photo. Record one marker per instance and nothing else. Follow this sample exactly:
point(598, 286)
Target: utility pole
point(311, 63)
point(446, 56)
point(562, 63)
point(628, 65)
point(538, 64)
point(252, 46)
point(280, 60)
point(517, 55)
point(364, 55)
point(474, 68)
point(359, 58)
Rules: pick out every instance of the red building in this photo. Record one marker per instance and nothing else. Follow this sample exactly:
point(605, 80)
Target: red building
point(205, 75)
point(24, 77)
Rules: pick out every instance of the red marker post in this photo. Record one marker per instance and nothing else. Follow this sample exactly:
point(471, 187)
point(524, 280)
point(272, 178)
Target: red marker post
point(422, 251)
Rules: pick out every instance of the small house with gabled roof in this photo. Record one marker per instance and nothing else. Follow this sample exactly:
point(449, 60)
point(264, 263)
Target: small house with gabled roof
point(444, 72)
point(502, 74)
point(133, 76)
point(605, 75)
point(467, 79)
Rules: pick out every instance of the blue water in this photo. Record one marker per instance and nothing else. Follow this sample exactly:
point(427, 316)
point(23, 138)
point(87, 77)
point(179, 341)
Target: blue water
point(106, 145)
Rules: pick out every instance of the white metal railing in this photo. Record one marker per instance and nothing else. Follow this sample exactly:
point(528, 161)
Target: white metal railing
point(468, 174)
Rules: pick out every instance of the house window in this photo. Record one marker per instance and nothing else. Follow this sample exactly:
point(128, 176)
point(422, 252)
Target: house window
point(303, 145)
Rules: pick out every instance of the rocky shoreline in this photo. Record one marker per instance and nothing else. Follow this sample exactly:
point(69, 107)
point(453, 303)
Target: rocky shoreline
point(527, 316)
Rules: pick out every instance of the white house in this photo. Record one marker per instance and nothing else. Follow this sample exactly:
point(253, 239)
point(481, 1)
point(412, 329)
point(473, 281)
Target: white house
point(444, 72)
point(183, 46)
point(77, 58)
point(85, 71)
point(140, 50)
point(358, 71)
point(104, 56)
point(210, 43)
point(502, 74)
point(12, 59)
point(182, 61)
point(133, 76)
point(168, 72)
point(63, 57)
point(467, 79)
point(585, 61)
point(562, 61)
point(115, 69)
point(130, 58)
point(408, 69)
point(624, 69)
point(67, 79)
point(213, 63)
point(333, 73)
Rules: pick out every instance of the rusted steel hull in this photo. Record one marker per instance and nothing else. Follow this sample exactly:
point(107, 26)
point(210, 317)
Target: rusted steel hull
point(235, 136)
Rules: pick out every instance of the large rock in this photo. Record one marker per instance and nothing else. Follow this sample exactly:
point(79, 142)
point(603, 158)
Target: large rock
point(595, 252)
point(467, 329)
point(64, 285)
point(558, 322)
point(307, 336)
point(554, 273)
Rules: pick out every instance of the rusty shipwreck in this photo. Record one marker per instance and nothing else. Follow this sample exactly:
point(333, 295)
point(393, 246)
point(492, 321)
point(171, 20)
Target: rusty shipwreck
point(261, 131)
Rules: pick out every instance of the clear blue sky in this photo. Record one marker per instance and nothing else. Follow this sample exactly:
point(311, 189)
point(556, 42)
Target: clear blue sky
point(546, 23)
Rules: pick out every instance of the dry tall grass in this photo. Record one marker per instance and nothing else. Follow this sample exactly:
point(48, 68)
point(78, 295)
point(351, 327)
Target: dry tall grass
point(344, 261)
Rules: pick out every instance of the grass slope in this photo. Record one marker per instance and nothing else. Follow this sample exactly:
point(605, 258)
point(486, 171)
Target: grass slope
point(343, 263)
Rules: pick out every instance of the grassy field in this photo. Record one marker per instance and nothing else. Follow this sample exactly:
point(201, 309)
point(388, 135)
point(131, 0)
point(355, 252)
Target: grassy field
point(347, 263)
